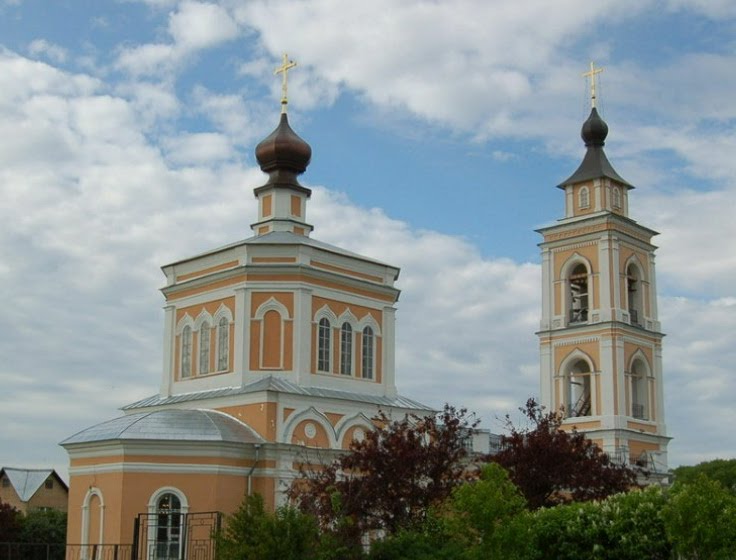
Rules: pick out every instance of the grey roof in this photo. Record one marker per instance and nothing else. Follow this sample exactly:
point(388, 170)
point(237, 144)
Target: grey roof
point(170, 425)
point(279, 385)
point(285, 238)
point(26, 482)
point(595, 165)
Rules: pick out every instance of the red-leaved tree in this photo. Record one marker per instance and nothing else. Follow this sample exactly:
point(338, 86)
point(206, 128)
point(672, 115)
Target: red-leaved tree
point(388, 480)
point(10, 523)
point(551, 465)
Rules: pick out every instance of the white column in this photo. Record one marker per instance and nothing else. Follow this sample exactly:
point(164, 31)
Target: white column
point(652, 295)
point(547, 377)
point(168, 349)
point(607, 373)
point(604, 278)
point(303, 336)
point(547, 304)
point(388, 334)
point(569, 202)
point(240, 361)
point(597, 190)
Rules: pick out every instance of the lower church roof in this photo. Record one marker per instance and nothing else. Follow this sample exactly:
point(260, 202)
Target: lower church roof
point(170, 425)
point(278, 385)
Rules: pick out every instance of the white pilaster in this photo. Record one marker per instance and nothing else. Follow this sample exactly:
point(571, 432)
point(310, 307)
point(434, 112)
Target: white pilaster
point(168, 349)
point(240, 363)
point(388, 333)
point(303, 336)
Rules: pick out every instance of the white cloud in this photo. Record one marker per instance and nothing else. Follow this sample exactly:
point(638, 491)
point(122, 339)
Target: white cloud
point(197, 149)
point(55, 53)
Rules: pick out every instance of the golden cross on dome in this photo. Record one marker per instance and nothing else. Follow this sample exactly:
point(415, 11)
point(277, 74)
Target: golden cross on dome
point(592, 73)
point(286, 65)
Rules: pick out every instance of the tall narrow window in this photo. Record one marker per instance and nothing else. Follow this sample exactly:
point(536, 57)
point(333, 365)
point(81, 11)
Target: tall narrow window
point(168, 527)
point(204, 348)
point(186, 352)
point(367, 358)
point(639, 392)
point(223, 344)
point(633, 292)
point(578, 390)
point(346, 349)
point(584, 197)
point(323, 345)
point(616, 197)
point(578, 300)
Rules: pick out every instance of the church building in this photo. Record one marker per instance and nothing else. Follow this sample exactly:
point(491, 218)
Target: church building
point(600, 339)
point(278, 349)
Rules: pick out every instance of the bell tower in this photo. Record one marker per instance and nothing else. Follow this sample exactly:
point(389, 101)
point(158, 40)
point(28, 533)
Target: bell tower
point(600, 337)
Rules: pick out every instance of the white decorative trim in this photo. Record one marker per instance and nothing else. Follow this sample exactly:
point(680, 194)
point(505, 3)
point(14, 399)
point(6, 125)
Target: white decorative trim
point(272, 304)
point(574, 260)
point(571, 341)
point(575, 355)
point(201, 318)
point(222, 311)
point(639, 355)
point(93, 491)
point(369, 321)
point(183, 322)
point(574, 246)
point(325, 312)
point(357, 420)
point(153, 500)
point(347, 317)
point(309, 414)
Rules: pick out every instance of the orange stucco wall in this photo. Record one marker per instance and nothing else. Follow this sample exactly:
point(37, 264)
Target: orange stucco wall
point(262, 417)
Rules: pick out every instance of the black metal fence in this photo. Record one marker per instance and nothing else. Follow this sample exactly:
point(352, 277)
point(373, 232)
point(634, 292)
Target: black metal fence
point(61, 551)
point(176, 536)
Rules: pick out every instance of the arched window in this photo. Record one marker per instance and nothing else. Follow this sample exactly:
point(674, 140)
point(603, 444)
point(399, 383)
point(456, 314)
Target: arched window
point(578, 296)
point(168, 544)
point(223, 344)
point(323, 345)
point(186, 352)
point(367, 357)
point(616, 197)
point(584, 197)
point(204, 347)
point(633, 291)
point(639, 391)
point(577, 394)
point(346, 349)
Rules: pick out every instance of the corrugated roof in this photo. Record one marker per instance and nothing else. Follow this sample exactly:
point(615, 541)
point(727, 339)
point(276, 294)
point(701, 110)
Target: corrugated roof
point(279, 385)
point(170, 425)
point(26, 482)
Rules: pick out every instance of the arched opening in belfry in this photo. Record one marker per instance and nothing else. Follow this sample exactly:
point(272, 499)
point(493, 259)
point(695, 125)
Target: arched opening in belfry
point(578, 381)
point(634, 294)
point(578, 296)
point(639, 390)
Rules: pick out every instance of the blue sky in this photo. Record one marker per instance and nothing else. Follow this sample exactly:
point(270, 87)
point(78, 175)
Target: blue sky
point(439, 131)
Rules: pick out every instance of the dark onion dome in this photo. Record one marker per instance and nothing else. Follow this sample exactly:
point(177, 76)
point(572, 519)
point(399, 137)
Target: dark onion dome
point(283, 155)
point(595, 164)
point(594, 130)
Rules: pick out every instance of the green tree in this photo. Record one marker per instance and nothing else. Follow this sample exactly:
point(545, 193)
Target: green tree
point(44, 526)
point(252, 533)
point(482, 510)
point(722, 470)
point(700, 520)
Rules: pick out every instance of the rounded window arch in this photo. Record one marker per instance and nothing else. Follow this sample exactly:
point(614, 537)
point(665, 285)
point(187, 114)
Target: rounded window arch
point(577, 283)
point(616, 197)
point(166, 509)
point(639, 378)
point(186, 351)
point(346, 349)
point(584, 197)
point(368, 353)
point(204, 347)
point(577, 377)
point(635, 292)
point(324, 339)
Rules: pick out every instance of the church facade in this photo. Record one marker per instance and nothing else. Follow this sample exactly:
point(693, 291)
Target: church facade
point(600, 338)
point(278, 350)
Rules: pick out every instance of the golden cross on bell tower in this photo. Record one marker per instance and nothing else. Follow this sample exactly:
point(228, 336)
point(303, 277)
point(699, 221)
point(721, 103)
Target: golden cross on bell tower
point(286, 65)
point(592, 73)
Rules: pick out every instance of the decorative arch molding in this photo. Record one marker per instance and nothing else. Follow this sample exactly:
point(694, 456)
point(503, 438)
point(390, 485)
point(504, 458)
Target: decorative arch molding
point(634, 260)
point(156, 496)
point(572, 261)
point(640, 356)
point(348, 317)
point(584, 197)
point(92, 492)
point(369, 321)
point(185, 321)
point(272, 304)
point(309, 414)
point(359, 420)
point(573, 356)
point(203, 317)
point(325, 312)
point(222, 311)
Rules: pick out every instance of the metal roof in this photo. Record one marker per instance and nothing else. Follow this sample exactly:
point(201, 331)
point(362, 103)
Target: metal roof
point(284, 238)
point(26, 482)
point(278, 385)
point(170, 425)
